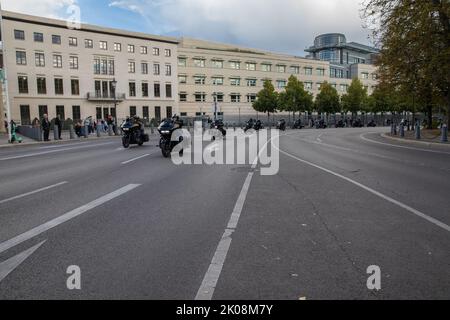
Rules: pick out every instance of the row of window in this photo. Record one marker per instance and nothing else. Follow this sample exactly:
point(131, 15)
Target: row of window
point(145, 90)
point(89, 43)
point(39, 58)
point(145, 68)
point(41, 85)
point(218, 97)
point(250, 66)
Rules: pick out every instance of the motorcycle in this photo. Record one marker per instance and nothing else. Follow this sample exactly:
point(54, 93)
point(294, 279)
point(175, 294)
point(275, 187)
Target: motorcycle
point(219, 126)
point(249, 125)
point(340, 124)
point(371, 124)
point(133, 134)
point(258, 125)
point(298, 124)
point(166, 129)
point(321, 124)
point(281, 125)
point(358, 124)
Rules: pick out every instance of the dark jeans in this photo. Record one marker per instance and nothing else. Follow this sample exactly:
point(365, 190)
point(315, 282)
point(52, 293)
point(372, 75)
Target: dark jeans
point(59, 132)
point(46, 134)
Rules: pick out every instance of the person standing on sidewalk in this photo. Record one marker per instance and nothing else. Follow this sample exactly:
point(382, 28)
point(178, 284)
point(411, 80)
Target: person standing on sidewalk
point(58, 124)
point(45, 125)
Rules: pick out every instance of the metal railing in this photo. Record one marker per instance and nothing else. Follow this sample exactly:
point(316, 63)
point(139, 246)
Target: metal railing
point(98, 96)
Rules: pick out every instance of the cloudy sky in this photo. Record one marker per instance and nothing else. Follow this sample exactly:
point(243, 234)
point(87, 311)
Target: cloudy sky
point(287, 26)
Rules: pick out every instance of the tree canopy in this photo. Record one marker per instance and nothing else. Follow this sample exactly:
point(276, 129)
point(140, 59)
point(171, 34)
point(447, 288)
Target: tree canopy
point(267, 99)
point(355, 99)
point(327, 101)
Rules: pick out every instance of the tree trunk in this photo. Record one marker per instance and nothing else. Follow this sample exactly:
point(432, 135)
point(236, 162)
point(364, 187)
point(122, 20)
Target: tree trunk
point(430, 116)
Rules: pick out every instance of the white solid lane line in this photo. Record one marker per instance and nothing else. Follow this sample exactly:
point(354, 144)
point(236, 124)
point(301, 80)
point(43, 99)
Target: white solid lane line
point(53, 151)
point(134, 159)
point(363, 137)
point(374, 192)
point(33, 192)
point(64, 218)
point(212, 276)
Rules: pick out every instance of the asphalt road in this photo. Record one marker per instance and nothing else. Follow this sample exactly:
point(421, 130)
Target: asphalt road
point(140, 227)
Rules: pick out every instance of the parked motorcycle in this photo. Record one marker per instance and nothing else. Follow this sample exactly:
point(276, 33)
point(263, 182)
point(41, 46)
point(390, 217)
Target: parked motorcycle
point(258, 125)
point(298, 124)
point(320, 124)
point(281, 125)
point(166, 129)
point(358, 124)
point(371, 124)
point(133, 133)
point(249, 125)
point(340, 124)
point(219, 126)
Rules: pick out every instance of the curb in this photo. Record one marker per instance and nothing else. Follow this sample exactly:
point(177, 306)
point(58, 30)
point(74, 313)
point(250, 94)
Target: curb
point(39, 143)
point(428, 144)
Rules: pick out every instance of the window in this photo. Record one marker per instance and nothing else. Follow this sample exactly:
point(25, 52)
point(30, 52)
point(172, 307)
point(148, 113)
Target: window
point(39, 59)
point(308, 71)
point(111, 69)
point(321, 72)
point(343, 87)
point(132, 87)
point(281, 84)
point(167, 52)
point(144, 68)
point(19, 34)
point(281, 69)
point(88, 44)
point(41, 85)
point(236, 65)
point(235, 97)
point(157, 90)
point(145, 113)
point(73, 62)
point(76, 113)
point(56, 39)
point(130, 48)
point(117, 47)
point(144, 89)
point(133, 111)
point(103, 45)
point(168, 90)
point(200, 79)
point(374, 76)
point(158, 113)
point(295, 69)
point(21, 58)
point(25, 115)
point(182, 62)
point(218, 64)
point(131, 67)
point(199, 63)
point(308, 85)
point(156, 51)
point(251, 97)
point(235, 81)
point(365, 75)
point(168, 70)
point(182, 79)
point(60, 112)
point(38, 37)
point(250, 66)
point(266, 67)
point(183, 97)
point(219, 96)
point(59, 86)
point(73, 42)
point(75, 87)
point(251, 82)
point(23, 84)
point(169, 112)
point(144, 50)
point(57, 61)
point(217, 81)
point(156, 69)
point(200, 97)
point(43, 109)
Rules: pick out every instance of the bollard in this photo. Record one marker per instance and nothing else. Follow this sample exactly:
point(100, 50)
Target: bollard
point(86, 132)
point(444, 130)
point(392, 129)
point(110, 130)
point(55, 133)
point(395, 129)
point(402, 130)
point(418, 135)
point(71, 132)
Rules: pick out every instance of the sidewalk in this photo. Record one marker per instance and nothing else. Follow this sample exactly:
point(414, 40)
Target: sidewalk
point(427, 137)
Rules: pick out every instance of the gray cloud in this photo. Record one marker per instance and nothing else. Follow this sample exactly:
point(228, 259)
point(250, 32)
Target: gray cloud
point(278, 25)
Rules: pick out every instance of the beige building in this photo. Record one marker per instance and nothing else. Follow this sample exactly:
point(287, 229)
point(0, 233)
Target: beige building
point(57, 70)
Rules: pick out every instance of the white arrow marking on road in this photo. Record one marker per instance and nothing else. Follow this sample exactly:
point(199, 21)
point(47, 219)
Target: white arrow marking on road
point(9, 265)
point(64, 218)
point(33, 192)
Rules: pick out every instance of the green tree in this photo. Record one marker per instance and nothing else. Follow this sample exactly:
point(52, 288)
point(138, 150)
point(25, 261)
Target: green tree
point(355, 99)
point(327, 101)
point(296, 98)
point(267, 99)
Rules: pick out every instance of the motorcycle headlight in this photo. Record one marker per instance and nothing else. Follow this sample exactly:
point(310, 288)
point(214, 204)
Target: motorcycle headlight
point(165, 132)
point(126, 129)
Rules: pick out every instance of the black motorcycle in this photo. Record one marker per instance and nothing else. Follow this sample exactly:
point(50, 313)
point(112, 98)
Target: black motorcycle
point(166, 129)
point(249, 125)
point(133, 134)
point(298, 124)
point(358, 124)
point(281, 125)
point(371, 124)
point(321, 124)
point(258, 125)
point(218, 125)
point(340, 124)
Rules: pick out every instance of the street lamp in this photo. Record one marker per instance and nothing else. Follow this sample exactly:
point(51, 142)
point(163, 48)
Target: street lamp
point(215, 105)
point(114, 86)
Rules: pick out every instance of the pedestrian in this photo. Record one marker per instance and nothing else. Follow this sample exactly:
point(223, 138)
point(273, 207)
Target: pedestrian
point(78, 129)
point(45, 125)
point(58, 125)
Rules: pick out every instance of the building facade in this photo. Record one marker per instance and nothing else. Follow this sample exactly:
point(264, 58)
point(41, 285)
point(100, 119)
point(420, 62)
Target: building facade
point(77, 73)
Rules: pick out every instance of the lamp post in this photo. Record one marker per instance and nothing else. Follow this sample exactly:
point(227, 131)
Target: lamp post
point(114, 86)
point(215, 106)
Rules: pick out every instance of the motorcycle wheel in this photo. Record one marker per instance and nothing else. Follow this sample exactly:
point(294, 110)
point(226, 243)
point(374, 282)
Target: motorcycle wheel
point(126, 142)
point(165, 152)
